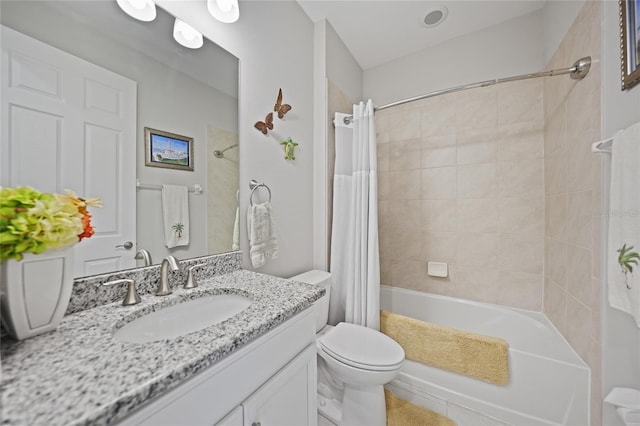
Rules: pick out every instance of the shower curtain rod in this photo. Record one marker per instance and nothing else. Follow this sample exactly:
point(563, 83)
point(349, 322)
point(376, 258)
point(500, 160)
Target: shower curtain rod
point(577, 71)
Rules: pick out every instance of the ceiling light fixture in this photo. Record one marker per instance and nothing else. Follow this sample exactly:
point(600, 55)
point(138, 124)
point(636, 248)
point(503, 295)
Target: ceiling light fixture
point(226, 11)
point(143, 10)
point(186, 35)
point(435, 16)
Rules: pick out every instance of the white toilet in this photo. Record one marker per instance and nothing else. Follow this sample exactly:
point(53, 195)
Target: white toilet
point(360, 358)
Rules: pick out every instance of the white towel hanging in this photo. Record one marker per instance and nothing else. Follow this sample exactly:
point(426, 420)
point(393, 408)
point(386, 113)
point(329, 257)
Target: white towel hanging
point(263, 245)
point(235, 244)
point(175, 214)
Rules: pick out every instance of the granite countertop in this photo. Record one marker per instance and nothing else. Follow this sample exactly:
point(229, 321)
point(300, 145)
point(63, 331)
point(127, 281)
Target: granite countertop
point(80, 375)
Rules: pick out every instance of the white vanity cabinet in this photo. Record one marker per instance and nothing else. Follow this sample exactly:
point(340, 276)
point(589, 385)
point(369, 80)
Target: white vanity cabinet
point(288, 398)
point(270, 381)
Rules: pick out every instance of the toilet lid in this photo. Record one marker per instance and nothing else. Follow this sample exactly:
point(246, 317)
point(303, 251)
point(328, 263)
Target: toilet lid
point(362, 347)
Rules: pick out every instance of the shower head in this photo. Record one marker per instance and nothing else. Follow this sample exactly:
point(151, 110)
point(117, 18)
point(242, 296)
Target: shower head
point(220, 154)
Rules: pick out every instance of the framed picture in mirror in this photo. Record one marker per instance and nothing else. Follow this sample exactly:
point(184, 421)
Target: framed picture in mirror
point(630, 42)
point(168, 150)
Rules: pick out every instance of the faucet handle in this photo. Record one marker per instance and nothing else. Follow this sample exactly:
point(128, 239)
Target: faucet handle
point(191, 279)
point(132, 297)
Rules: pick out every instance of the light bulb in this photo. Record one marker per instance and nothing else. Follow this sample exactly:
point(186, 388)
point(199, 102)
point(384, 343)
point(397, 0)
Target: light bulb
point(224, 5)
point(188, 32)
point(186, 35)
point(138, 4)
point(226, 11)
point(143, 10)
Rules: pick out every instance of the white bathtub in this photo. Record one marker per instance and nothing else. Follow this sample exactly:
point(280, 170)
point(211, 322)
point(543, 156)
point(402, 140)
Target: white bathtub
point(549, 383)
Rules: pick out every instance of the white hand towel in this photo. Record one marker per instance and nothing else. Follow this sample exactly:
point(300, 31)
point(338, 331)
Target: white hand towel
point(175, 213)
point(624, 221)
point(263, 245)
point(235, 245)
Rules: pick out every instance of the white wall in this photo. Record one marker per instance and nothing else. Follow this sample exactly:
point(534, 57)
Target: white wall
point(274, 42)
point(511, 48)
point(621, 338)
point(557, 16)
point(320, 154)
point(342, 69)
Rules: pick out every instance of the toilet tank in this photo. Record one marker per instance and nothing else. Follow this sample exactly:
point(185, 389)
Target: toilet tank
point(321, 306)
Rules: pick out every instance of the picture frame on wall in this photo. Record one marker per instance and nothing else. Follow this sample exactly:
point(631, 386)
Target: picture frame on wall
point(168, 150)
point(630, 42)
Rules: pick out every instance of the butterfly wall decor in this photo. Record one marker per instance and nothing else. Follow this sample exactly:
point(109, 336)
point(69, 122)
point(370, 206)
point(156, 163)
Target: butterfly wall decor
point(281, 108)
point(266, 125)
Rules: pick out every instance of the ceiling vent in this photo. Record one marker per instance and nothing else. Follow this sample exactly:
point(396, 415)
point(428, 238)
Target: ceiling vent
point(435, 16)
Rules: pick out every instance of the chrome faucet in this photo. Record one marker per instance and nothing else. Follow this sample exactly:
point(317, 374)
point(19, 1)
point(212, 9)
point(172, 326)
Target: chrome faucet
point(164, 288)
point(143, 255)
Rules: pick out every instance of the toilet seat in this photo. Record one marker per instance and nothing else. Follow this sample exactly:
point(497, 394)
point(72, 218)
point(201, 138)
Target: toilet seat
point(362, 347)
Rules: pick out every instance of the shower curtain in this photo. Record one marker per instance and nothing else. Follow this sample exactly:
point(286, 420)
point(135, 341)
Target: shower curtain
point(355, 263)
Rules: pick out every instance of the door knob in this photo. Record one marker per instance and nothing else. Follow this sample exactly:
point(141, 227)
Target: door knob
point(127, 245)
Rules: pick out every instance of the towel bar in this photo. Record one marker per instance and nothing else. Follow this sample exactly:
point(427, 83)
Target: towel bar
point(253, 185)
point(196, 188)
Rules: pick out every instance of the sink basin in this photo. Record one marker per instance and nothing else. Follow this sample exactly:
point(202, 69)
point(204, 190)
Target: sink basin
point(183, 318)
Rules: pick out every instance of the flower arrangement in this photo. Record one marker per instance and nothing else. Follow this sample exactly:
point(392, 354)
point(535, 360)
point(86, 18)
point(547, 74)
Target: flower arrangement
point(33, 222)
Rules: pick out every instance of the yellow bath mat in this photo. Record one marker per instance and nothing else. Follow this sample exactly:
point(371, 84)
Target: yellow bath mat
point(474, 355)
point(404, 413)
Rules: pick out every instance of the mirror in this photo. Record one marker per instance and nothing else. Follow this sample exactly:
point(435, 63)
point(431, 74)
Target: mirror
point(191, 92)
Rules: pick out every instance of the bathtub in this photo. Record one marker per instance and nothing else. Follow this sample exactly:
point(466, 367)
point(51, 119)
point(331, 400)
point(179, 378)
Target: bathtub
point(549, 382)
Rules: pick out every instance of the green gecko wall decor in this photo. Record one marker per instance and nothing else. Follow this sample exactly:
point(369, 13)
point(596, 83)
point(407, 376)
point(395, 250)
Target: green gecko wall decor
point(289, 149)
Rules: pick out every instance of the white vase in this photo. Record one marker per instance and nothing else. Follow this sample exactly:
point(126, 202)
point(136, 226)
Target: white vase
point(35, 292)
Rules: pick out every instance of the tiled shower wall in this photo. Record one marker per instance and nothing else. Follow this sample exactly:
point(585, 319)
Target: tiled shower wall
point(222, 184)
point(461, 181)
point(573, 193)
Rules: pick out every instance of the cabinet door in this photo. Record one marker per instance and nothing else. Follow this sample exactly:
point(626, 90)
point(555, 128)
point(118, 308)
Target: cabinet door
point(288, 398)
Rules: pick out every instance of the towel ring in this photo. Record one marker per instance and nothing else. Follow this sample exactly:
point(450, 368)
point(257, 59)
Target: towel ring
point(255, 185)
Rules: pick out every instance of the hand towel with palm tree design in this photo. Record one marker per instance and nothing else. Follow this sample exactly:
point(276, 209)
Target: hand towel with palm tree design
point(623, 246)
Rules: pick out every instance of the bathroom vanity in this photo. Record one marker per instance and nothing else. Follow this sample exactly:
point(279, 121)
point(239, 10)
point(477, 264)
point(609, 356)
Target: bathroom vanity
point(271, 381)
point(256, 367)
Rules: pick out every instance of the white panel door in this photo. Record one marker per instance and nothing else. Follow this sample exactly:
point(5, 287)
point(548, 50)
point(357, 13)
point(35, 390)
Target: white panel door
point(70, 124)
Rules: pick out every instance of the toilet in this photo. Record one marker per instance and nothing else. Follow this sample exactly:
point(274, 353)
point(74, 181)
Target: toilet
point(354, 362)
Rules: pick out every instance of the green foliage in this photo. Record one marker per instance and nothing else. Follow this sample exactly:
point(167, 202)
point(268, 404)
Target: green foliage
point(178, 227)
point(628, 258)
point(32, 222)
